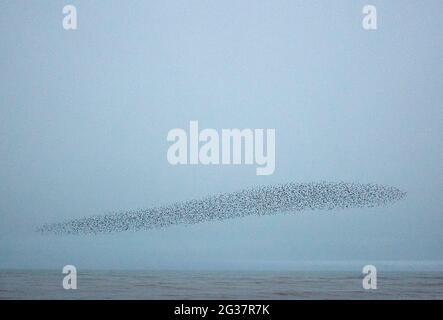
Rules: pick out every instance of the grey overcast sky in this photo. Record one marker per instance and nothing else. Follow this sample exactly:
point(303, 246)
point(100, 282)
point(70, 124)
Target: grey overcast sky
point(84, 116)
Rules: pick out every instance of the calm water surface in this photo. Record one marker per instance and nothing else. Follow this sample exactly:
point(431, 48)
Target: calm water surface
point(219, 285)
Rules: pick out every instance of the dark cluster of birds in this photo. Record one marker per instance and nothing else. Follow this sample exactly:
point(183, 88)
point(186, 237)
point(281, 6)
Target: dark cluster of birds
point(265, 200)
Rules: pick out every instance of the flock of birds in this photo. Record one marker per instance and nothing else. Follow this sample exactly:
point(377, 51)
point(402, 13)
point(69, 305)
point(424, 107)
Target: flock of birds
point(264, 200)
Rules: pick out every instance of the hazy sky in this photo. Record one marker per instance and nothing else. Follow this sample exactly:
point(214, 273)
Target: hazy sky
point(84, 117)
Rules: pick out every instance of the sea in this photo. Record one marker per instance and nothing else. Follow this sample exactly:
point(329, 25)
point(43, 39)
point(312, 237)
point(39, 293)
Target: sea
point(257, 285)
